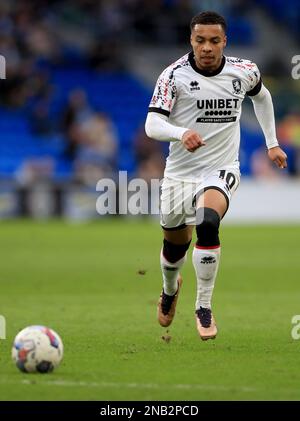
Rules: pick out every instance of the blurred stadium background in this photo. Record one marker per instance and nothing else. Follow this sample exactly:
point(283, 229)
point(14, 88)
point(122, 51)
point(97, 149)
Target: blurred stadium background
point(79, 76)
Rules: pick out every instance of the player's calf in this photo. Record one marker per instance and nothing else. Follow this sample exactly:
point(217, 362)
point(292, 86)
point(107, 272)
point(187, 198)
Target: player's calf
point(206, 257)
point(167, 306)
point(172, 257)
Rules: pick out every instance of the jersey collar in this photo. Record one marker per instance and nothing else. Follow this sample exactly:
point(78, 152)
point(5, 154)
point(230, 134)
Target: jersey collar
point(205, 72)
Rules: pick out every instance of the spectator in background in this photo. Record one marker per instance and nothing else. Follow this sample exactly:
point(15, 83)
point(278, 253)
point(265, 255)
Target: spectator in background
point(41, 91)
point(91, 139)
point(40, 119)
point(35, 171)
point(180, 15)
point(77, 111)
point(149, 157)
point(96, 155)
point(105, 55)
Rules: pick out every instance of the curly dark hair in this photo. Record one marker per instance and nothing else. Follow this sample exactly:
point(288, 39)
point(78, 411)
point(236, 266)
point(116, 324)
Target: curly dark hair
point(208, 18)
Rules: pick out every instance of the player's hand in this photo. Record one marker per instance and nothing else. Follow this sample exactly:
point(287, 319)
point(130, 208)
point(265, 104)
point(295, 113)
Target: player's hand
point(278, 156)
point(192, 140)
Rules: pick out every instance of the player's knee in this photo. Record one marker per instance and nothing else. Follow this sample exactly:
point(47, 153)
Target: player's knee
point(174, 252)
point(207, 228)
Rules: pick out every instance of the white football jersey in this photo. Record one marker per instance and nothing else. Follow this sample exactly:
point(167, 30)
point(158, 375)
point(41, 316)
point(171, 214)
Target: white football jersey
point(210, 104)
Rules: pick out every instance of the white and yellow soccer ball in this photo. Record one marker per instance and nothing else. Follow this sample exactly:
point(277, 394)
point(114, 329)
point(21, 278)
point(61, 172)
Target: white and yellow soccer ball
point(37, 349)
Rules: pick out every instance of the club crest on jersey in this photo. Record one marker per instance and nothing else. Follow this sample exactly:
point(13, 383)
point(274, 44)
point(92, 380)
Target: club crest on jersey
point(194, 86)
point(237, 86)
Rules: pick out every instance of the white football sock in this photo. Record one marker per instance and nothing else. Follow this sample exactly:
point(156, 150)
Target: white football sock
point(206, 263)
point(170, 272)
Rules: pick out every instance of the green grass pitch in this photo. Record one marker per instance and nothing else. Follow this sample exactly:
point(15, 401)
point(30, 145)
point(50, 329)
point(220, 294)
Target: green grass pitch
point(97, 285)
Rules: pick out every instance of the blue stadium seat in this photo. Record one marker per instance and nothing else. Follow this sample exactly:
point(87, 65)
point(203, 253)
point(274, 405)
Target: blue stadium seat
point(117, 94)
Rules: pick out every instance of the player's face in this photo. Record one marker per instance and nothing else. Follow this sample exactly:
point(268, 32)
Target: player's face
point(208, 42)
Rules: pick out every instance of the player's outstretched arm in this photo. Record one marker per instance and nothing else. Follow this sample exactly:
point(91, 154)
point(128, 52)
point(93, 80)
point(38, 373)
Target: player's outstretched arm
point(264, 111)
point(158, 127)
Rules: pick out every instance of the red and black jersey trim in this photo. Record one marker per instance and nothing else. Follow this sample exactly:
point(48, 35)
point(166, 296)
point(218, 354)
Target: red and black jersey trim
point(159, 111)
point(256, 89)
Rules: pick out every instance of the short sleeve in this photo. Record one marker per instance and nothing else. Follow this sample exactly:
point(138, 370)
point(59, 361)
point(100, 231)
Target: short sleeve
point(165, 92)
point(254, 81)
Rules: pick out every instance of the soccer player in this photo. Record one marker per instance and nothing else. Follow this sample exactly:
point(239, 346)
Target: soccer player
point(196, 106)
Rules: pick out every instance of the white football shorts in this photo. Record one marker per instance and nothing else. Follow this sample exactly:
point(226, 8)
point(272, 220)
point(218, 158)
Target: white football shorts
point(178, 198)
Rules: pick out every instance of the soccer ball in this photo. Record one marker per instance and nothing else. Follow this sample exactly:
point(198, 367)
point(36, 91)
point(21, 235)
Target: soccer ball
point(37, 349)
